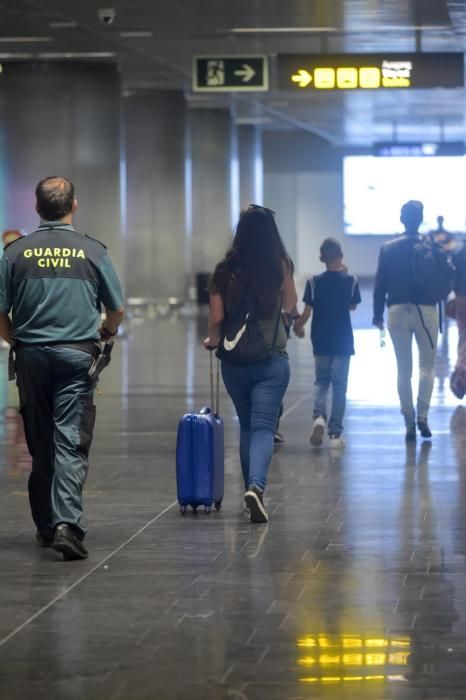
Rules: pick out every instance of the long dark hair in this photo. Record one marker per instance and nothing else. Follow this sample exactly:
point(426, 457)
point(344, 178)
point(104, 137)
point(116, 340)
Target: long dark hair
point(255, 262)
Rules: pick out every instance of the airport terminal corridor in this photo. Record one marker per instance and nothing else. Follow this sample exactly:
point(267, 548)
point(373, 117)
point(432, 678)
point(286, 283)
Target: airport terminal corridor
point(356, 587)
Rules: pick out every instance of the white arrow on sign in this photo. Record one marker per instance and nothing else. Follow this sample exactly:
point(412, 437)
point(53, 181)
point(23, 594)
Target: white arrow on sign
point(247, 73)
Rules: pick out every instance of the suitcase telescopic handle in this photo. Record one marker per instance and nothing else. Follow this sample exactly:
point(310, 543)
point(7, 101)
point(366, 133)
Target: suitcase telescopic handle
point(217, 392)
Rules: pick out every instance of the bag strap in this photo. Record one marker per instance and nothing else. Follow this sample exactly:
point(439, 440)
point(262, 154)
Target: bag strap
point(277, 324)
point(425, 327)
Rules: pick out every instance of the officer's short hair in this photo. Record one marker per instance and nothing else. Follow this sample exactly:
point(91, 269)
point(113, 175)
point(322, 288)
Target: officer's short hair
point(330, 250)
point(55, 197)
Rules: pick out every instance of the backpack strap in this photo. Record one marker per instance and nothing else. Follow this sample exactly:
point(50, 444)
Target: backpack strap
point(312, 283)
point(279, 315)
point(425, 327)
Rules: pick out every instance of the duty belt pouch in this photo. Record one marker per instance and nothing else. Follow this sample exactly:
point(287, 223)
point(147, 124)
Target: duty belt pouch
point(101, 360)
point(11, 365)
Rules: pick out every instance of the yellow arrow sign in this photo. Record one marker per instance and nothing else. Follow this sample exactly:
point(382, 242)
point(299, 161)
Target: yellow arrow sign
point(302, 77)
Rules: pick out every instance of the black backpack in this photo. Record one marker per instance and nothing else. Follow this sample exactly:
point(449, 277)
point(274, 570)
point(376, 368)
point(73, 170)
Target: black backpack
point(241, 340)
point(432, 272)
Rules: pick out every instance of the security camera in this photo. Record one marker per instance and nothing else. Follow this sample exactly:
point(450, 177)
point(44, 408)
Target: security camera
point(106, 14)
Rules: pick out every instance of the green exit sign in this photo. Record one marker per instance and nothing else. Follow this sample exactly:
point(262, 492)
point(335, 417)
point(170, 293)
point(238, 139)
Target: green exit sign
point(230, 74)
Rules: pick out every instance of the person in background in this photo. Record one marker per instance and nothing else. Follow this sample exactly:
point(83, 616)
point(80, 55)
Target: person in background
point(11, 235)
point(458, 379)
point(256, 268)
point(330, 297)
point(288, 319)
point(409, 315)
point(444, 238)
point(54, 282)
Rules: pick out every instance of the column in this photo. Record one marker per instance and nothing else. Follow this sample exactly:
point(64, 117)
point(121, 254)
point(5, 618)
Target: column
point(62, 119)
point(156, 257)
point(251, 171)
point(213, 205)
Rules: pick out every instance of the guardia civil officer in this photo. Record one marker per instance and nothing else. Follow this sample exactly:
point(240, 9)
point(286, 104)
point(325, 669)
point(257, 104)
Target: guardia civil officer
point(54, 282)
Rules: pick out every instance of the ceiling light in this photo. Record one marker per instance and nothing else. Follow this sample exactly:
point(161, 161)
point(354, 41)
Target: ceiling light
point(136, 34)
point(252, 121)
point(63, 25)
point(396, 28)
point(346, 30)
point(5, 56)
point(24, 39)
point(281, 30)
point(78, 54)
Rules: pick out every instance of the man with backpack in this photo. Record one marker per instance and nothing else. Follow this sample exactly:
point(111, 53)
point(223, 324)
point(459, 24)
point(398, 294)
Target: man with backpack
point(413, 276)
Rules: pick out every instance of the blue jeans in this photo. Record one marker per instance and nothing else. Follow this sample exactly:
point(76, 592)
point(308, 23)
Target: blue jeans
point(257, 391)
point(331, 370)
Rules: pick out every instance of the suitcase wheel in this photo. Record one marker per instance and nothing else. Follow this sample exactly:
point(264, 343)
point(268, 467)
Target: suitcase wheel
point(207, 509)
point(183, 509)
point(194, 509)
point(218, 505)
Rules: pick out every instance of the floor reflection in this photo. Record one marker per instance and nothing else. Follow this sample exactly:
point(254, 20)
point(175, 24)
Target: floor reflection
point(353, 657)
point(356, 588)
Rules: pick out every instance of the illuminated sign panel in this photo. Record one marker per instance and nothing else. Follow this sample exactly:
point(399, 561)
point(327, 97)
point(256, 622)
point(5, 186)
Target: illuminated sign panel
point(230, 74)
point(370, 71)
point(397, 149)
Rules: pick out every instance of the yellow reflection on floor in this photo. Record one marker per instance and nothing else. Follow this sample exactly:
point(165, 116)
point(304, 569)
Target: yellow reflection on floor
point(332, 652)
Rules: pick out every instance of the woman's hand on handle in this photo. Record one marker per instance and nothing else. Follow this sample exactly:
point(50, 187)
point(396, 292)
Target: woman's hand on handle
point(209, 344)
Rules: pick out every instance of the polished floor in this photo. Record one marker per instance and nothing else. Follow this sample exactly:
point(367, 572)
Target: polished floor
point(355, 589)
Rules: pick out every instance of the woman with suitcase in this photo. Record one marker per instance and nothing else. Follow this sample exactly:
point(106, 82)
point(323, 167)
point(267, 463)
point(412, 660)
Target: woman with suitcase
point(248, 291)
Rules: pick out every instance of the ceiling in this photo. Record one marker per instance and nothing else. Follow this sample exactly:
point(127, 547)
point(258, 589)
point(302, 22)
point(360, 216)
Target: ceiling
point(154, 42)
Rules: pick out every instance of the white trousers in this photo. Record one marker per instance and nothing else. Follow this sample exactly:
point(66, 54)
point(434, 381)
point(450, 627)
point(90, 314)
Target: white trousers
point(406, 321)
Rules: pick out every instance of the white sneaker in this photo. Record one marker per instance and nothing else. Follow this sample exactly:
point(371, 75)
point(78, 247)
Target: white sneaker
point(336, 442)
point(317, 434)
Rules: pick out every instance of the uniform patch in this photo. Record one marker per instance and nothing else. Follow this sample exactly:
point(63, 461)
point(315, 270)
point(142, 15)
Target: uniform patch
point(54, 257)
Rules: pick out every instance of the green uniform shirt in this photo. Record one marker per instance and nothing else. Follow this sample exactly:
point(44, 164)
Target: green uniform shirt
point(54, 282)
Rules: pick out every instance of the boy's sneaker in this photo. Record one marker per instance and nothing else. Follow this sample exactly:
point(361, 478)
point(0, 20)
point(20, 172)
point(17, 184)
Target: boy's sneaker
point(254, 499)
point(336, 441)
point(317, 434)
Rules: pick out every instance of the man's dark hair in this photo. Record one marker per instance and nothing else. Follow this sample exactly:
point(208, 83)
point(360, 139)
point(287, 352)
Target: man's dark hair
point(412, 213)
point(330, 250)
point(55, 197)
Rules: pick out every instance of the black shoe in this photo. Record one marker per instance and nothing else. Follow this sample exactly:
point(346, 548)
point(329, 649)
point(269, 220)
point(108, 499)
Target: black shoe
point(66, 541)
point(254, 499)
point(410, 434)
point(278, 438)
point(44, 538)
point(424, 428)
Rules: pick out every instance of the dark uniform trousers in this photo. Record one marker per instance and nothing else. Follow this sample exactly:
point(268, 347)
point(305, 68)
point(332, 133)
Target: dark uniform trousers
point(56, 402)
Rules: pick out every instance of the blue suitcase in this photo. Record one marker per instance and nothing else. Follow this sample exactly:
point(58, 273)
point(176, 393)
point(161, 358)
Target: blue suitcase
point(200, 456)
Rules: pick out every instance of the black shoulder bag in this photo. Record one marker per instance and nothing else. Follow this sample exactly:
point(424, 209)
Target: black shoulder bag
point(242, 341)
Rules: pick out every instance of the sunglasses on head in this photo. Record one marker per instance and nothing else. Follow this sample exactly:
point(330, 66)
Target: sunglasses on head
point(258, 207)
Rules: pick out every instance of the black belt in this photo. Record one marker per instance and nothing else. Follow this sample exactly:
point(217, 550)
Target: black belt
point(91, 347)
